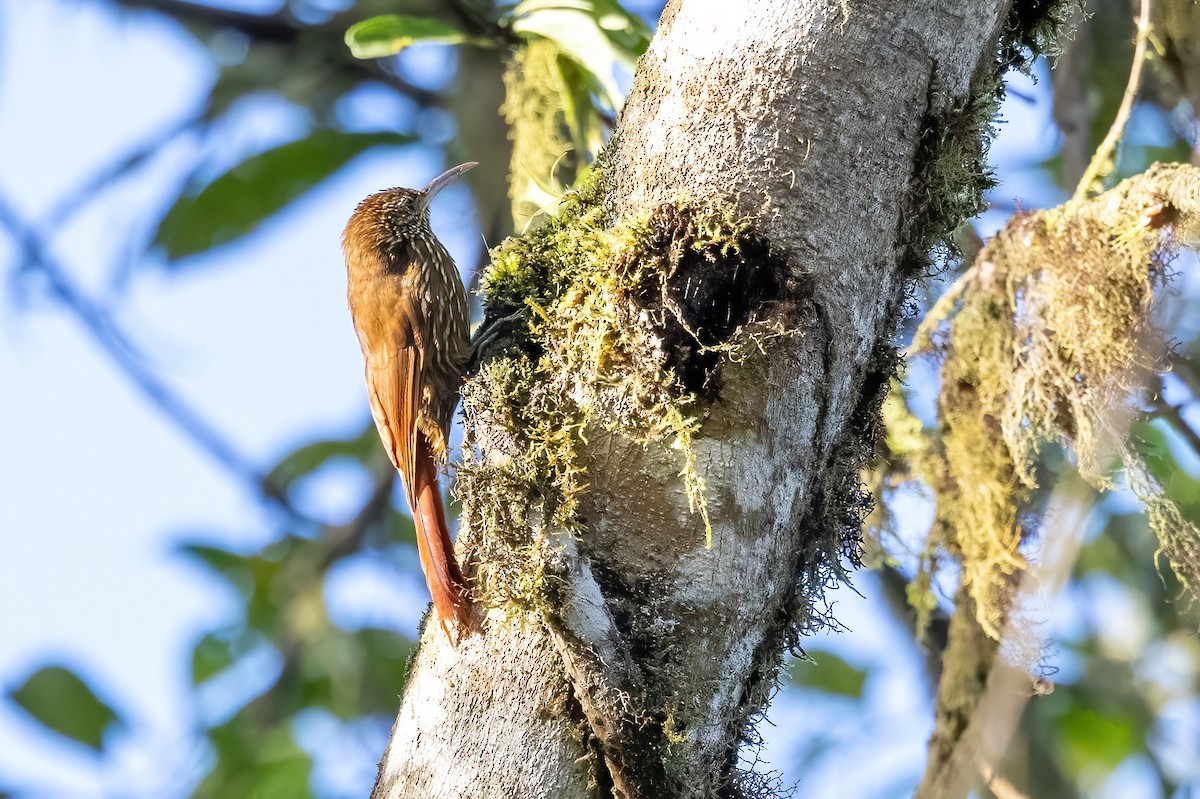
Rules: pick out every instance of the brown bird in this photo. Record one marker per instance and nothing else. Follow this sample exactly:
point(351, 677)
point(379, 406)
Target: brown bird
point(409, 308)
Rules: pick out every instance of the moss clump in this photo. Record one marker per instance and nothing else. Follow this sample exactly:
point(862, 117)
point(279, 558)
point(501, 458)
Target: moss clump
point(1032, 29)
point(626, 323)
point(950, 169)
point(1049, 344)
point(533, 88)
point(950, 175)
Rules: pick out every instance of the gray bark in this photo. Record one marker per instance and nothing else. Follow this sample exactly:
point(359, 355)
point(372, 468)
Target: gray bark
point(809, 116)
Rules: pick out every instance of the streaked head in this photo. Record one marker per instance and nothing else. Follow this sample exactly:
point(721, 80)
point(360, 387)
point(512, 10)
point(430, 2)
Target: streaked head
point(395, 216)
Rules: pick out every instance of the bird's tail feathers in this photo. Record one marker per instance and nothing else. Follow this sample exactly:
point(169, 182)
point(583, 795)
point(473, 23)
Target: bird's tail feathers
point(436, 550)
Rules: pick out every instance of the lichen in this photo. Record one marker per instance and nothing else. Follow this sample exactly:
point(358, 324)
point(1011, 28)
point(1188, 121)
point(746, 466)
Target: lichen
point(1049, 342)
point(950, 177)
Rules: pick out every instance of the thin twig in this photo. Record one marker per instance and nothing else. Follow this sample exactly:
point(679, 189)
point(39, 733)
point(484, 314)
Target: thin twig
point(938, 313)
point(1174, 415)
point(347, 539)
point(1185, 370)
point(998, 785)
point(1105, 150)
point(86, 191)
point(283, 29)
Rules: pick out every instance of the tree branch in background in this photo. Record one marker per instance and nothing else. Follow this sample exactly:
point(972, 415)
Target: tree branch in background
point(1174, 415)
point(304, 572)
point(982, 696)
point(932, 641)
point(283, 29)
point(35, 256)
point(1071, 114)
point(1103, 158)
point(119, 168)
point(1185, 370)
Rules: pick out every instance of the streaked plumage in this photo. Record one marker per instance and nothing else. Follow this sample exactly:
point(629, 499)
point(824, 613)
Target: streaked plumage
point(409, 308)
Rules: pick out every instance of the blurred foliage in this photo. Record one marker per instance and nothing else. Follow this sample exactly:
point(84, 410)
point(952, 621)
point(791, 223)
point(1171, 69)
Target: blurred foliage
point(237, 202)
point(1089, 81)
point(827, 672)
point(379, 37)
point(1107, 708)
point(60, 699)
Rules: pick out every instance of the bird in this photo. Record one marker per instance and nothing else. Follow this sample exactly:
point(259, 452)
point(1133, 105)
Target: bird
point(409, 309)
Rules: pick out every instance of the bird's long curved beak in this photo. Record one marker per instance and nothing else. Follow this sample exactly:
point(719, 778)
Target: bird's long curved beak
point(446, 178)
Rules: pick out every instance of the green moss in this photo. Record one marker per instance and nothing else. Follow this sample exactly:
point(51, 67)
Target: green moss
point(542, 155)
point(609, 344)
point(1032, 29)
point(949, 178)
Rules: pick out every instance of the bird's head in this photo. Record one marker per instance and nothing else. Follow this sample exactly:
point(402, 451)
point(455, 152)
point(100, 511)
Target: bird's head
point(391, 218)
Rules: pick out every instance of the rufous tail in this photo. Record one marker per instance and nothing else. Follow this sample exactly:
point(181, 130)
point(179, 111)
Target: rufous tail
point(442, 573)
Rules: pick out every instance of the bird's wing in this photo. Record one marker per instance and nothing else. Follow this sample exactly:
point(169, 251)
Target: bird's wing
point(394, 387)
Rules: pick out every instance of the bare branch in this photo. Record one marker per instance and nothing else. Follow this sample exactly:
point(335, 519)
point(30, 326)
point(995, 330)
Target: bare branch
point(1104, 151)
point(1174, 415)
point(88, 189)
point(283, 29)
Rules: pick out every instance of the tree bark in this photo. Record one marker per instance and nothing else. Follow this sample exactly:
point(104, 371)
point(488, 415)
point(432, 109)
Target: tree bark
point(817, 120)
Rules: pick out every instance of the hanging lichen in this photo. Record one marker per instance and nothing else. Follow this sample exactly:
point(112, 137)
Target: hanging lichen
point(542, 155)
point(1049, 342)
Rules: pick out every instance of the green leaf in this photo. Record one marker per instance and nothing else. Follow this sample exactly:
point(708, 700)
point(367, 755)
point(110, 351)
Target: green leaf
point(210, 656)
point(220, 649)
point(387, 35)
point(627, 32)
point(1096, 741)
point(235, 568)
point(828, 673)
point(583, 122)
point(62, 701)
point(243, 198)
point(307, 459)
point(596, 35)
point(255, 762)
point(256, 578)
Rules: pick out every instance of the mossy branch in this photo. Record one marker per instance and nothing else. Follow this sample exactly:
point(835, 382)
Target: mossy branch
point(1050, 344)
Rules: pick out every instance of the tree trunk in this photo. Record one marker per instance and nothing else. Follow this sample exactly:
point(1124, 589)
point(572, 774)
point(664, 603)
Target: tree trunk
point(839, 129)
